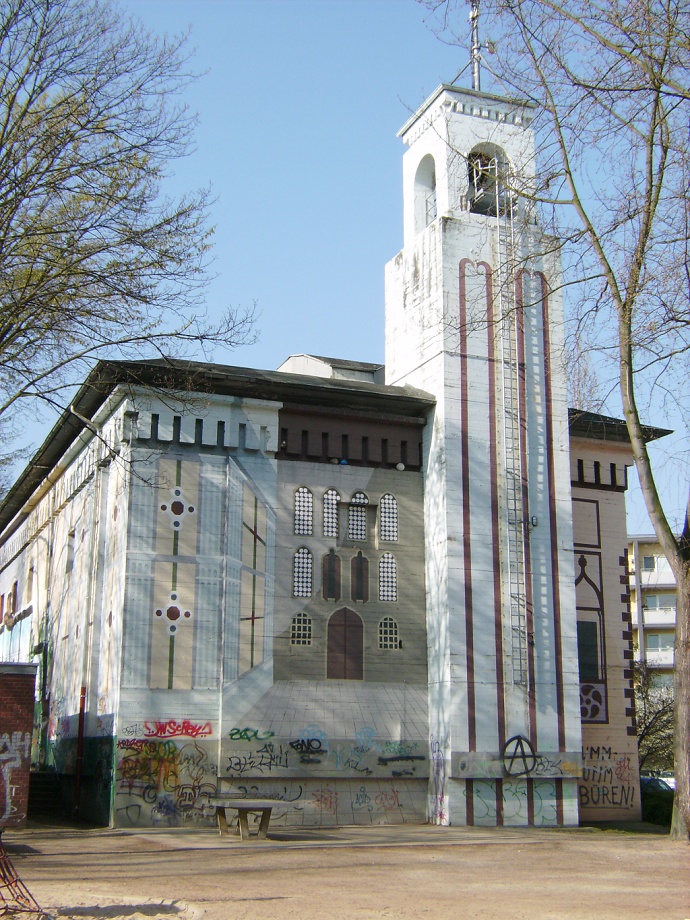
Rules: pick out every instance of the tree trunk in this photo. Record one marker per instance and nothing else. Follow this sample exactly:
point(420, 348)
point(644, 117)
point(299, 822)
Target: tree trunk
point(680, 826)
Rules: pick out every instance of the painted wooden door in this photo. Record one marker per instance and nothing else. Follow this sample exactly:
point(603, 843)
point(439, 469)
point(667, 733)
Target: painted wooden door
point(345, 646)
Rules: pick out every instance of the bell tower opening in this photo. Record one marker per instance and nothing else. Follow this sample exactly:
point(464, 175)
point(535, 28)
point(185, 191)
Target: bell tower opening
point(488, 172)
point(425, 193)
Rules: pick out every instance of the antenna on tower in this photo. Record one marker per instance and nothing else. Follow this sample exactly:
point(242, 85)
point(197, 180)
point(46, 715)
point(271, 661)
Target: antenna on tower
point(476, 51)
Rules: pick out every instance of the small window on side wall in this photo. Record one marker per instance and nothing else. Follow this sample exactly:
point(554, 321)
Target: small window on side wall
point(71, 549)
point(331, 501)
point(359, 578)
point(388, 634)
point(388, 578)
point(357, 517)
point(302, 573)
point(300, 632)
point(304, 512)
point(388, 518)
point(648, 563)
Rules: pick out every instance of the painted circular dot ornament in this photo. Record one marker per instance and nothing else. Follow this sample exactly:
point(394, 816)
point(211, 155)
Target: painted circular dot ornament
point(177, 509)
point(173, 613)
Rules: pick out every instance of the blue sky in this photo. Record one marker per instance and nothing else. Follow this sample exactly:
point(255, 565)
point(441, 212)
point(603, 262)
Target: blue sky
point(299, 107)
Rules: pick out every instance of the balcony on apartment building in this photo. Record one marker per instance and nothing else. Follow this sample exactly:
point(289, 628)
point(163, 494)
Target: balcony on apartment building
point(659, 649)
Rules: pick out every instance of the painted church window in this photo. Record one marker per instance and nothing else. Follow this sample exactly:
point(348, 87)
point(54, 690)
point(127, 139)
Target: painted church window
point(300, 633)
point(331, 501)
point(359, 578)
point(388, 578)
point(357, 517)
point(388, 518)
point(588, 651)
point(388, 633)
point(303, 567)
point(330, 576)
point(304, 512)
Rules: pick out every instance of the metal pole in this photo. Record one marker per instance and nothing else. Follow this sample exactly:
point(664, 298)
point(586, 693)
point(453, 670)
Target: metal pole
point(475, 55)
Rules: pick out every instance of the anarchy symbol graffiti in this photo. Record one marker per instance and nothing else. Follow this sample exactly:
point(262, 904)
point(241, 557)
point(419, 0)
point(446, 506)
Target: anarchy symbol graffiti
point(518, 755)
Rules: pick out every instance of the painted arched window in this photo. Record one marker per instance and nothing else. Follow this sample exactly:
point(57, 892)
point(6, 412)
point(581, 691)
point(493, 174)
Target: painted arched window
point(304, 512)
point(388, 578)
point(331, 501)
point(388, 518)
point(330, 576)
point(425, 193)
point(302, 573)
point(357, 517)
point(300, 632)
point(359, 578)
point(388, 633)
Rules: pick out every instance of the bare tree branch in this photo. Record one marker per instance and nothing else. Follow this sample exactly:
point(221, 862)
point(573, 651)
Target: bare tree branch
point(95, 260)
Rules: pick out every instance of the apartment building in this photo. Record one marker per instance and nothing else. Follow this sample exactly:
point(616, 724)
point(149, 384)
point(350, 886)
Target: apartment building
point(653, 606)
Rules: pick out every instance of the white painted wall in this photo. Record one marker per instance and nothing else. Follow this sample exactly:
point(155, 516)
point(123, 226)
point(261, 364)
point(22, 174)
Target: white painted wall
point(423, 348)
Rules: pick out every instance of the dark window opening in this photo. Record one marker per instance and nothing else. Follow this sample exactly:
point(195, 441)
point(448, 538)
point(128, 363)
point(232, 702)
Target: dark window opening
point(359, 573)
point(588, 651)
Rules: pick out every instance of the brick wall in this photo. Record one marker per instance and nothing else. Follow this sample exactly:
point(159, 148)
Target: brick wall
point(17, 683)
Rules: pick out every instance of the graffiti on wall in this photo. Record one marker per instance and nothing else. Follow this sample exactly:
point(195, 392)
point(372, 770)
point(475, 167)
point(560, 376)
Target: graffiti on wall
point(608, 779)
point(254, 752)
point(518, 758)
point(15, 751)
point(167, 772)
point(513, 794)
point(174, 729)
point(306, 803)
point(163, 781)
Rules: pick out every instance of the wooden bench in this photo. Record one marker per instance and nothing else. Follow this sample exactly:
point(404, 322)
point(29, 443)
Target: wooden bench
point(243, 806)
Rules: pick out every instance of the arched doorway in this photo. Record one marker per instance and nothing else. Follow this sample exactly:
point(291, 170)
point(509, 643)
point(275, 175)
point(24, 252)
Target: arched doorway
point(345, 657)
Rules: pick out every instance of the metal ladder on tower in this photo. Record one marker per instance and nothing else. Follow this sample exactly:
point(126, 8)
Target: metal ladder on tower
point(508, 330)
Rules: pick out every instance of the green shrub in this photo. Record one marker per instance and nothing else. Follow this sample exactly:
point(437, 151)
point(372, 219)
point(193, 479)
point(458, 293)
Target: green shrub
point(657, 805)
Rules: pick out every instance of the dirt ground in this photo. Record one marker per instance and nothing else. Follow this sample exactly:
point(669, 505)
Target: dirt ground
point(358, 874)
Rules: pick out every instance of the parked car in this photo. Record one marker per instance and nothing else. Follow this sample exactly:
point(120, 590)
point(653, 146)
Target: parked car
point(664, 775)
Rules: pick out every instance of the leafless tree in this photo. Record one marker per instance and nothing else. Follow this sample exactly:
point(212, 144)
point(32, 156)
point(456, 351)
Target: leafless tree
point(654, 717)
point(610, 79)
point(584, 388)
point(95, 259)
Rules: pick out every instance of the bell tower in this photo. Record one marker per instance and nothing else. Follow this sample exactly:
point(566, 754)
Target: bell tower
point(474, 316)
